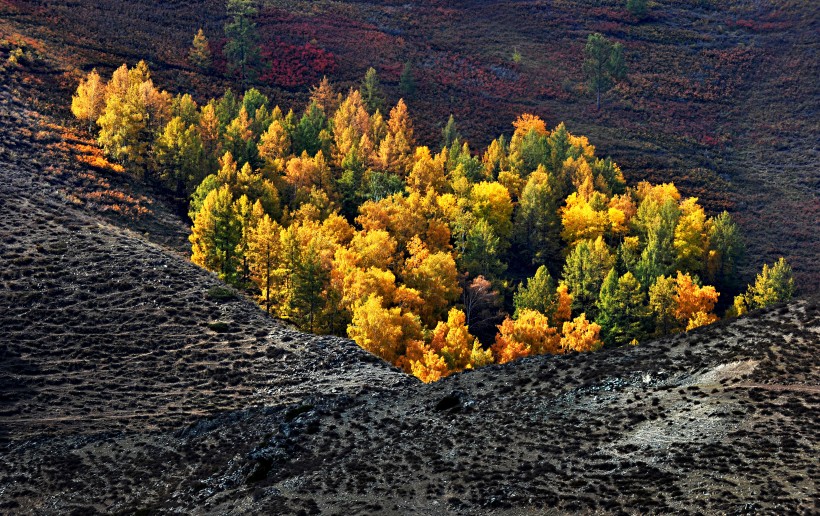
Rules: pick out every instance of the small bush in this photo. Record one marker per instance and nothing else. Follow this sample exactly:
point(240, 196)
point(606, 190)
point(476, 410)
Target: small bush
point(219, 327)
point(221, 293)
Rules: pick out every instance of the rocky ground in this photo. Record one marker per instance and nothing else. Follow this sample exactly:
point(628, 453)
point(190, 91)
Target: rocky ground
point(131, 382)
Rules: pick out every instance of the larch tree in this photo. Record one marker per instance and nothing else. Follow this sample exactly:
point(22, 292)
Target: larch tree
point(395, 150)
point(325, 97)
point(200, 53)
point(134, 111)
point(88, 102)
point(216, 234)
point(622, 313)
point(774, 284)
point(603, 65)
point(263, 255)
point(586, 267)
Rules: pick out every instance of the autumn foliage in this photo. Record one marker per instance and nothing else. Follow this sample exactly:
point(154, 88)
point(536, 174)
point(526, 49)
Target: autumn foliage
point(337, 220)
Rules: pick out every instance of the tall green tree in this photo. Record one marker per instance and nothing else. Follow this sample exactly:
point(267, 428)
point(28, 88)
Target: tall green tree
point(537, 228)
point(538, 294)
point(179, 156)
point(726, 251)
point(603, 65)
point(216, 233)
point(242, 45)
point(407, 81)
point(450, 135)
point(309, 283)
point(622, 313)
point(371, 90)
point(584, 272)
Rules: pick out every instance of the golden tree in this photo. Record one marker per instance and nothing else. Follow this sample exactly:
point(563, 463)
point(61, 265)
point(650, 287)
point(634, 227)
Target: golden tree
point(581, 335)
point(264, 248)
point(694, 304)
point(530, 334)
point(89, 101)
point(385, 332)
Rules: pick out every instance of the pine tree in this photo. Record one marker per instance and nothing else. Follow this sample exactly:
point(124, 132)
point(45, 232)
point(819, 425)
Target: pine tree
point(179, 156)
point(603, 65)
point(662, 305)
point(89, 101)
point(407, 81)
point(726, 251)
point(537, 225)
point(309, 283)
point(450, 134)
point(242, 47)
point(584, 272)
point(200, 54)
point(371, 90)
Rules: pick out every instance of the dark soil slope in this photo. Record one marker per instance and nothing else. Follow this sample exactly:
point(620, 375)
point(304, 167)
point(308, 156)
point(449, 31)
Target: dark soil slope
point(131, 383)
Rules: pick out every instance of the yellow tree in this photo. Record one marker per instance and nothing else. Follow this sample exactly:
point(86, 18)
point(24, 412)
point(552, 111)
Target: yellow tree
point(263, 253)
point(200, 53)
point(275, 142)
point(423, 362)
point(581, 221)
point(435, 276)
point(691, 241)
point(385, 332)
point(452, 341)
point(530, 334)
point(395, 150)
point(492, 202)
point(581, 335)
point(427, 172)
point(351, 123)
point(89, 101)
point(325, 97)
point(694, 304)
